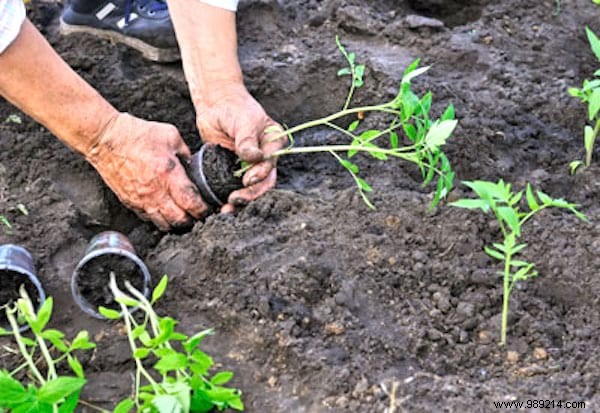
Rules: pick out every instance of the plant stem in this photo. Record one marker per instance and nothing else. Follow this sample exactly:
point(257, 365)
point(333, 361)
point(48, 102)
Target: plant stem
point(588, 154)
point(15, 329)
point(398, 153)
point(505, 297)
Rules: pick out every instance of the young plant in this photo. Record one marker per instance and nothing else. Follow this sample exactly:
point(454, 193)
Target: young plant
point(4, 221)
point(184, 384)
point(44, 391)
point(590, 95)
point(424, 137)
point(505, 205)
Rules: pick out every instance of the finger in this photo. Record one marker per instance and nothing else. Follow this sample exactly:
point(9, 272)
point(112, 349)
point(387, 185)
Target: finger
point(243, 196)
point(257, 173)
point(227, 209)
point(185, 194)
point(175, 216)
point(247, 143)
point(182, 149)
point(158, 220)
point(273, 138)
point(217, 138)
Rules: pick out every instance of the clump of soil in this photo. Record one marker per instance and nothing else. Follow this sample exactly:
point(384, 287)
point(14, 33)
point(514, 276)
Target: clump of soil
point(219, 166)
point(94, 278)
point(10, 284)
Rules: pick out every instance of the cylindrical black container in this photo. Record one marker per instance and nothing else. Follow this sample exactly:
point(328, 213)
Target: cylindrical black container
point(212, 169)
point(107, 252)
point(16, 269)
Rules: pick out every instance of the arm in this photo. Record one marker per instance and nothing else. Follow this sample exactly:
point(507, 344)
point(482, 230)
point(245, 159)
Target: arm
point(226, 113)
point(137, 159)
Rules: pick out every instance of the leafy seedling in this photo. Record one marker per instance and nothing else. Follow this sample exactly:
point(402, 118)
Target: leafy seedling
point(499, 199)
point(185, 384)
point(44, 390)
point(411, 123)
point(590, 95)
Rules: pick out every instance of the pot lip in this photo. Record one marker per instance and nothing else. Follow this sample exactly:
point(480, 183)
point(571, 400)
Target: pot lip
point(82, 302)
point(41, 293)
point(215, 199)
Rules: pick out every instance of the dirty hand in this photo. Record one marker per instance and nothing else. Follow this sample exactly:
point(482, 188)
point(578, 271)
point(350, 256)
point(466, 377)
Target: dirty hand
point(232, 118)
point(139, 161)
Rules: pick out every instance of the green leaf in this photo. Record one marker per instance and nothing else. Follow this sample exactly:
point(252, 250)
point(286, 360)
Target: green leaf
point(509, 215)
point(573, 166)
point(236, 404)
point(170, 362)
point(82, 341)
point(414, 73)
point(167, 404)
point(353, 126)
point(369, 135)
point(546, 200)
point(394, 140)
point(70, 403)
point(349, 166)
point(196, 339)
point(410, 131)
point(594, 42)
point(124, 406)
point(221, 378)
point(531, 201)
point(75, 366)
point(43, 316)
point(126, 300)
point(363, 185)
point(12, 392)
point(524, 273)
point(472, 204)
point(160, 289)
point(344, 72)
point(141, 353)
point(575, 92)
point(589, 138)
point(56, 338)
point(448, 113)
point(109, 314)
point(493, 253)
point(439, 133)
point(517, 263)
point(516, 198)
point(359, 72)
point(55, 390)
point(594, 104)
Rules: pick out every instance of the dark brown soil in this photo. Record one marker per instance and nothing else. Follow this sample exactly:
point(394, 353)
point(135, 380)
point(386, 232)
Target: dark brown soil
point(319, 304)
point(94, 278)
point(10, 286)
point(219, 166)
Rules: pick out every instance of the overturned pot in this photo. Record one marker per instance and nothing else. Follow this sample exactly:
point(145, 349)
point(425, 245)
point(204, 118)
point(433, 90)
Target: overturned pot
point(17, 269)
point(108, 252)
point(212, 169)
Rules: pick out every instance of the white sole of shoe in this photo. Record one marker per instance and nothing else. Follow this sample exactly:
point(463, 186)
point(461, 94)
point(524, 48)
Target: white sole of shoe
point(152, 53)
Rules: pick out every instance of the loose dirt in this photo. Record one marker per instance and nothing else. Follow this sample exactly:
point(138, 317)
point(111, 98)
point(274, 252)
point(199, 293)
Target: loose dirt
point(319, 304)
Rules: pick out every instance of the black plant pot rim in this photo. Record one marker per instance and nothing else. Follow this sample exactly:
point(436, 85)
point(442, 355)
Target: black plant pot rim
point(84, 304)
point(20, 269)
point(201, 181)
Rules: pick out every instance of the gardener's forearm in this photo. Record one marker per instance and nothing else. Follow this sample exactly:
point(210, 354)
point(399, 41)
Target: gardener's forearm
point(208, 41)
point(35, 79)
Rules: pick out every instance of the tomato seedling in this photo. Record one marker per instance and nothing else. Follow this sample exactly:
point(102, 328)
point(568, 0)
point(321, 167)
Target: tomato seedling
point(184, 385)
point(590, 95)
point(410, 116)
point(45, 390)
point(505, 205)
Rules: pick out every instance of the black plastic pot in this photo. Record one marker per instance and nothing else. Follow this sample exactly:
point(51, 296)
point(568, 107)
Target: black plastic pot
point(212, 169)
point(16, 269)
point(107, 252)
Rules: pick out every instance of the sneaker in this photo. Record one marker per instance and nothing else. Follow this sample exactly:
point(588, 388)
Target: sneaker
point(144, 25)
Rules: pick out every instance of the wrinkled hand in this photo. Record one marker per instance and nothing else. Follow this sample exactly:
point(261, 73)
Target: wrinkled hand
point(232, 118)
point(139, 161)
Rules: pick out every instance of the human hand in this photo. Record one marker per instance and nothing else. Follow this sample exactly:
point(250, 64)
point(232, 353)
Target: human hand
point(138, 160)
point(232, 118)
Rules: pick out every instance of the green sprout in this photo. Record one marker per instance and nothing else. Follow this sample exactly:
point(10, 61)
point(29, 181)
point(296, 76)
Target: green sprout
point(505, 205)
point(590, 95)
point(44, 390)
point(4, 221)
point(184, 384)
point(410, 116)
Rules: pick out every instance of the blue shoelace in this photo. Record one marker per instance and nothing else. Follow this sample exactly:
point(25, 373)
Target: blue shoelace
point(151, 5)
